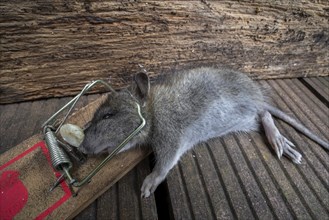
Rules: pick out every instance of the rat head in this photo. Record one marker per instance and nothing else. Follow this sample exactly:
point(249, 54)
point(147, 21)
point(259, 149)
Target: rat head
point(116, 118)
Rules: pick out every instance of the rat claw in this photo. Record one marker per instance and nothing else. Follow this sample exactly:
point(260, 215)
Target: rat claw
point(279, 147)
point(298, 160)
point(289, 142)
point(276, 148)
point(281, 151)
point(292, 154)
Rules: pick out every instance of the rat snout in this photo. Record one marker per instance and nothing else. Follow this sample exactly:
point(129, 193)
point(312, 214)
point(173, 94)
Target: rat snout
point(82, 150)
point(91, 148)
point(88, 144)
point(86, 148)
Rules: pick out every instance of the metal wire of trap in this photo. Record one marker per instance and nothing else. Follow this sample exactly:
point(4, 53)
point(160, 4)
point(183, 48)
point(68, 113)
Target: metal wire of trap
point(60, 160)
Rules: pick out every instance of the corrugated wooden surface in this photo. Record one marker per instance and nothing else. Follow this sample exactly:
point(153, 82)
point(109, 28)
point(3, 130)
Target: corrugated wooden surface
point(237, 176)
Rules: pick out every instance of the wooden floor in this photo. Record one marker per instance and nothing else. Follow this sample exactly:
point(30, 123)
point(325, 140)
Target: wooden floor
point(237, 176)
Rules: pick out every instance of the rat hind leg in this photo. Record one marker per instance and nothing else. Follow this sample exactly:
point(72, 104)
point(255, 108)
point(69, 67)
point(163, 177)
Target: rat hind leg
point(280, 144)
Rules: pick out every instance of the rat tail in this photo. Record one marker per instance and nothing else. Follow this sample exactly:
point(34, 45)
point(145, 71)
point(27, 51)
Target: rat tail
point(297, 125)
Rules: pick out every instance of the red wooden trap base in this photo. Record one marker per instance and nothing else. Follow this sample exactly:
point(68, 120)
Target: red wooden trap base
point(27, 175)
point(15, 192)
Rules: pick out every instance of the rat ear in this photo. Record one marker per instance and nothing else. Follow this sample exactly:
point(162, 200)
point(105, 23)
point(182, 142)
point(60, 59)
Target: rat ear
point(141, 86)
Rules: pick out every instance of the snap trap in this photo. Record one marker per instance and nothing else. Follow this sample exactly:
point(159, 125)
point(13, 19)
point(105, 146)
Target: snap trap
point(63, 140)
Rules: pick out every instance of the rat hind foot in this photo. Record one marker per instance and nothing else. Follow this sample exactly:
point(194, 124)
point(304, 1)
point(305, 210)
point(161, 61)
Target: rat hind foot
point(285, 147)
point(280, 144)
point(290, 152)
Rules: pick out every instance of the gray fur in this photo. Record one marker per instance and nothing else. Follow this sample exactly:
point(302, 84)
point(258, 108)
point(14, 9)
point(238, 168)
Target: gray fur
point(185, 109)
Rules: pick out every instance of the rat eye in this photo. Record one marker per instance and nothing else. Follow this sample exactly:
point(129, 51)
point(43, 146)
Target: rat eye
point(108, 115)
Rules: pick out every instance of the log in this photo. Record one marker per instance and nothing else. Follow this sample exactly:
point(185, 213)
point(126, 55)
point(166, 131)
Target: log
point(52, 48)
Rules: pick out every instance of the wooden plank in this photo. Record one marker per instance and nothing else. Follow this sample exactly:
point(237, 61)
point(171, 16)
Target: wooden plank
point(287, 191)
point(21, 113)
point(314, 169)
point(221, 207)
point(89, 212)
point(148, 208)
point(180, 204)
point(318, 124)
point(122, 200)
point(39, 197)
point(253, 191)
point(197, 194)
point(265, 179)
point(7, 113)
point(320, 87)
point(325, 85)
point(41, 112)
point(310, 192)
point(230, 184)
point(320, 104)
point(133, 206)
point(51, 49)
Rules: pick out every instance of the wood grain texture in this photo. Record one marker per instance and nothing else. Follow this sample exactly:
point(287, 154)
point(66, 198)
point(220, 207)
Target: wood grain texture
point(52, 48)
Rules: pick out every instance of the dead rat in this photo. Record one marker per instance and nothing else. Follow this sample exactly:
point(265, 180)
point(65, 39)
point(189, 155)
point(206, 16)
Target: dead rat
point(185, 109)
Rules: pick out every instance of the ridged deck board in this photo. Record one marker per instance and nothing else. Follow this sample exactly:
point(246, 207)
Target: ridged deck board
point(237, 176)
point(320, 86)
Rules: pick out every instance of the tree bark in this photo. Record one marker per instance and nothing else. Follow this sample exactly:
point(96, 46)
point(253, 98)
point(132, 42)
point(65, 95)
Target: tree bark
point(53, 48)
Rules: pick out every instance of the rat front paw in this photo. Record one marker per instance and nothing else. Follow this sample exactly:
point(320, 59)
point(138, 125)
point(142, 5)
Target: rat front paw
point(150, 184)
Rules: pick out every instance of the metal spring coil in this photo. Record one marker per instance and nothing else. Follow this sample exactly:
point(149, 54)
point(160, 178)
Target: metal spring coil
point(59, 158)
